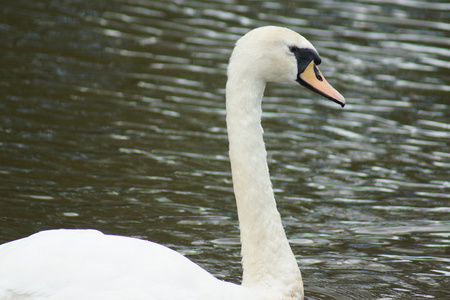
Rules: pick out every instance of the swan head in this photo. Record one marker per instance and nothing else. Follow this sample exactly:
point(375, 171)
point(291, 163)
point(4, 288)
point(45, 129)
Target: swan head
point(276, 54)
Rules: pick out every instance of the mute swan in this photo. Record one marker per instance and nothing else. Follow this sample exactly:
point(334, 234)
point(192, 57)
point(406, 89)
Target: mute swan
point(86, 264)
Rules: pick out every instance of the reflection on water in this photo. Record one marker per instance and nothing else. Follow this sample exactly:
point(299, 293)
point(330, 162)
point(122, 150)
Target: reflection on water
point(112, 117)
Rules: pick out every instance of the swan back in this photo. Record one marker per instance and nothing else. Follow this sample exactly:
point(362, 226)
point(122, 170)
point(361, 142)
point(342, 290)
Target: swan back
point(87, 264)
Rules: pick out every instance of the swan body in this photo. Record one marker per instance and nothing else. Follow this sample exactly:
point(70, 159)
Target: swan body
point(87, 264)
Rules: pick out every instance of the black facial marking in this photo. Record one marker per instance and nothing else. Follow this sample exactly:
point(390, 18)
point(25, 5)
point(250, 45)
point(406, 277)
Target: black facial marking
point(304, 57)
point(293, 48)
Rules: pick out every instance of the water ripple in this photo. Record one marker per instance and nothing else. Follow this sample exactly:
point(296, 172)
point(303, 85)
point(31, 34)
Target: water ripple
point(113, 117)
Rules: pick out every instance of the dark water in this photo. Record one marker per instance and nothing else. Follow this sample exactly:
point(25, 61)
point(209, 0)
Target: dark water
point(112, 117)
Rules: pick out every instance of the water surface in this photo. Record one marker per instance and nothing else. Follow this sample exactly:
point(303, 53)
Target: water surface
point(112, 117)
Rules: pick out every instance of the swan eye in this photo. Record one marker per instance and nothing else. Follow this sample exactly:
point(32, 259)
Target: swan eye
point(293, 48)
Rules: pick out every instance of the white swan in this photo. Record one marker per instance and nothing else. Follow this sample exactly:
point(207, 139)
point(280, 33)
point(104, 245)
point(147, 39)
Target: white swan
point(86, 264)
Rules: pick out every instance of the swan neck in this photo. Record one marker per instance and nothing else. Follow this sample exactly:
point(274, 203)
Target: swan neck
point(267, 258)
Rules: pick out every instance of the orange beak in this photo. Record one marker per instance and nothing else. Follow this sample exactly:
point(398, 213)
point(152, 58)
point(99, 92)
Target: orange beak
point(313, 79)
